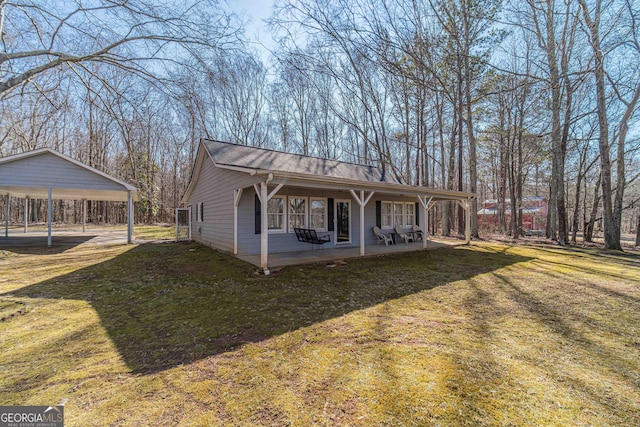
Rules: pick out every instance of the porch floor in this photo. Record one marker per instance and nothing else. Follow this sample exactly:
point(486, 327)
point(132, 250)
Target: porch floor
point(331, 253)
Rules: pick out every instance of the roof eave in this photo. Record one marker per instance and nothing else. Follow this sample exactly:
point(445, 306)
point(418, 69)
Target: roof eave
point(372, 186)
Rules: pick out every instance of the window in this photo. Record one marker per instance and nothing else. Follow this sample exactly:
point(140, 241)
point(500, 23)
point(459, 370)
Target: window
point(386, 215)
point(201, 211)
point(275, 213)
point(318, 214)
point(398, 213)
point(410, 214)
point(297, 212)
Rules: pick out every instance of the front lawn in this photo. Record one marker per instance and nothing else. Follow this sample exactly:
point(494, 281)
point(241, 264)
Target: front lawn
point(178, 334)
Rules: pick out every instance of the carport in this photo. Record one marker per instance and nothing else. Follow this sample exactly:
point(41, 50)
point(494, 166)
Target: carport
point(48, 174)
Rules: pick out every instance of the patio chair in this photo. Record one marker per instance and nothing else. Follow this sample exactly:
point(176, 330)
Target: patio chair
point(404, 236)
point(386, 238)
point(417, 233)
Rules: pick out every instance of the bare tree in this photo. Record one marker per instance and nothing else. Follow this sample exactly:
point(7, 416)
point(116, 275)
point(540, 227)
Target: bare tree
point(135, 35)
point(612, 212)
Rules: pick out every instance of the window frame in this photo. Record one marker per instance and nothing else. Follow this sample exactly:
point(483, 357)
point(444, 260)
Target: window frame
point(324, 213)
point(283, 229)
point(304, 215)
point(400, 215)
point(389, 215)
point(408, 223)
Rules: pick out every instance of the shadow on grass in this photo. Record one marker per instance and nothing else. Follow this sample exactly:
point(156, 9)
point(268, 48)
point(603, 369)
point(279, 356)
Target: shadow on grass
point(169, 304)
point(37, 245)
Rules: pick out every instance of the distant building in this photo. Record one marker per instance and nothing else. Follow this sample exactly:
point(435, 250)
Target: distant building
point(534, 214)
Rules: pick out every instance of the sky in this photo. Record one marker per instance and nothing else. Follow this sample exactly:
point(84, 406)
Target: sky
point(255, 12)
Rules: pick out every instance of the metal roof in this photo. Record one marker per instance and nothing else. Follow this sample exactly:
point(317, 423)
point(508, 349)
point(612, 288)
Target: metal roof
point(224, 153)
point(32, 173)
point(300, 170)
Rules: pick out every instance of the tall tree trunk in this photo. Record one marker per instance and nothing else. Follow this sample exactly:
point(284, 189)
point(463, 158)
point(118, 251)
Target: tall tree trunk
point(611, 229)
point(590, 225)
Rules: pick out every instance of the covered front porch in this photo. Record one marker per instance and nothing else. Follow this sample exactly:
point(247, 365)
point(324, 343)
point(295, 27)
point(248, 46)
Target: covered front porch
point(333, 253)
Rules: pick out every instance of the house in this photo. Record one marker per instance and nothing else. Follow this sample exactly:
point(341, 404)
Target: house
point(248, 200)
point(534, 213)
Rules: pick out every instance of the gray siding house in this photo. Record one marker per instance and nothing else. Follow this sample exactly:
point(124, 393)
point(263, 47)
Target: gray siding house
point(248, 200)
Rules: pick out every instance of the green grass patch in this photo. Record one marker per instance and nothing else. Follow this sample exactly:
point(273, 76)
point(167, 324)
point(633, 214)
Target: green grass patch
point(155, 232)
point(178, 334)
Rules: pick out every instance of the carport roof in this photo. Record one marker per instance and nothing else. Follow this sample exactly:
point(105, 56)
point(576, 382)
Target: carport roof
point(32, 173)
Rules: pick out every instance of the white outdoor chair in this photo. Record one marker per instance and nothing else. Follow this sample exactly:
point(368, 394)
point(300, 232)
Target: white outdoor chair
point(417, 233)
point(402, 235)
point(386, 238)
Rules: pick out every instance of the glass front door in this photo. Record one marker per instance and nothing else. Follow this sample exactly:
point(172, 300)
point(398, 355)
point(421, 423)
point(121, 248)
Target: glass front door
point(343, 221)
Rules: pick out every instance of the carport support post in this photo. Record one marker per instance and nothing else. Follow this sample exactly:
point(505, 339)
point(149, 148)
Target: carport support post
point(84, 214)
point(467, 222)
point(49, 216)
point(129, 217)
point(26, 214)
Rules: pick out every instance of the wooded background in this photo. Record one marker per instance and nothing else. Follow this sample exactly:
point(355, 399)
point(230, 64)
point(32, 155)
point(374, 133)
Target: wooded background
point(506, 99)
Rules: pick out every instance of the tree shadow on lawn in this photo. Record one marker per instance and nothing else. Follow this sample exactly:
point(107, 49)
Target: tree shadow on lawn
point(169, 304)
point(37, 245)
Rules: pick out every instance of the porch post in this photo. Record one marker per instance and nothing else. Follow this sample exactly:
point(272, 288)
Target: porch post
point(264, 229)
point(237, 194)
point(361, 222)
point(129, 218)
point(467, 222)
point(26, 214)
point(425, 214)
point(6, 215)
point(84, 214)
point(362, 202)
point(49, 216)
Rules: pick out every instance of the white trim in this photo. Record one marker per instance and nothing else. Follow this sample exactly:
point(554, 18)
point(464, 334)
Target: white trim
point(275, 191)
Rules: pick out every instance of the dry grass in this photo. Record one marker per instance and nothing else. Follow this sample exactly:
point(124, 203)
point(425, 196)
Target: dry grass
point(177, 334)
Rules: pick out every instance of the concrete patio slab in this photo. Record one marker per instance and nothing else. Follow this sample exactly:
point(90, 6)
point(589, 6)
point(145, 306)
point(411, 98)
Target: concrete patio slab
point(327, 254)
